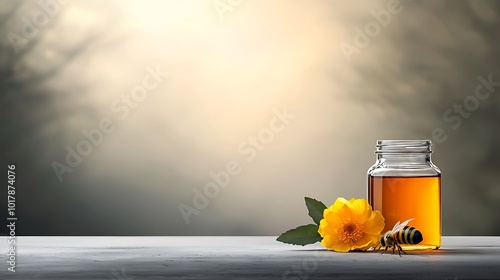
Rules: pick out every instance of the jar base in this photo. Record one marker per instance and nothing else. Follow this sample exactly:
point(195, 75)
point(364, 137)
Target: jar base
point(419, 247)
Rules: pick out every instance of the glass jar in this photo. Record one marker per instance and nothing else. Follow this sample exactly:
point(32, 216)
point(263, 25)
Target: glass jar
point(404, 184)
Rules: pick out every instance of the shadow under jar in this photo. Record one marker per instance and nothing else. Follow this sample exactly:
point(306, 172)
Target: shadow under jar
point(405, 184)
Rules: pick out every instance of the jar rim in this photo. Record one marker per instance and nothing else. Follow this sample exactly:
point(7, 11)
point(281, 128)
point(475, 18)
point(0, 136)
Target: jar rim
point(403, 146)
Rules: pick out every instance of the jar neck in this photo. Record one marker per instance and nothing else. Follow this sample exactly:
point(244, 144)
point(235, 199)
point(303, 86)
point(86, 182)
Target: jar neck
point(417, 158)
point(403, 146)
point(404, 151)
point(403, 158)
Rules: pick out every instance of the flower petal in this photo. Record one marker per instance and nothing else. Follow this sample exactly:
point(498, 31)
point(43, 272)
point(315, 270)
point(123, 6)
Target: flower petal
point(348, 220)
point(375, 224)
point(332, 242)
point(327, 242)
point(326, 211)
point(334, 219)
point(343, 211)
point(365, 242)
point(361, 210)
point(339, 202)
point(325, 229)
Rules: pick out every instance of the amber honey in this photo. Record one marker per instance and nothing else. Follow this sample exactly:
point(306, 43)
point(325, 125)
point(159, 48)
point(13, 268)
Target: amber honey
point(402, 198)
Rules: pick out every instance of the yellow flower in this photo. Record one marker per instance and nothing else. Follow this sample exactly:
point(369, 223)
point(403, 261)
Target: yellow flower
point(349, 225)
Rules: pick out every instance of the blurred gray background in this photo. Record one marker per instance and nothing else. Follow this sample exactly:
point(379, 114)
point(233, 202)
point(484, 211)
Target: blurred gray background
point(347, 78)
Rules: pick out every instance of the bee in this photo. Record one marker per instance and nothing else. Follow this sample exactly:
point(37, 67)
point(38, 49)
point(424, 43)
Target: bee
point(401, 233)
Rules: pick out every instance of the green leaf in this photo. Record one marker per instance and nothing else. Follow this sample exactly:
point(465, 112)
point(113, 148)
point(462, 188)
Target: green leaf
point(315, 208)
point(302, 235)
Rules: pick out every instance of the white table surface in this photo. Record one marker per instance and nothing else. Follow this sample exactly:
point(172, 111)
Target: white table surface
point(127, 258)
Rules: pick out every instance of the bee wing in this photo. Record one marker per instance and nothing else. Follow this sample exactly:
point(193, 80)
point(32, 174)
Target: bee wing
point(398, 226)
point(394, 227)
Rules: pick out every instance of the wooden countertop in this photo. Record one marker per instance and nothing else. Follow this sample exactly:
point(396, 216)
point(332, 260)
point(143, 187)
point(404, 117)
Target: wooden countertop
point(127, 258)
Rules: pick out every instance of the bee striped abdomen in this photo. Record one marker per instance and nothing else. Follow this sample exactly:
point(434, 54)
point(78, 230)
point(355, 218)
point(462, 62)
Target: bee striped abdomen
point(408, 235)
